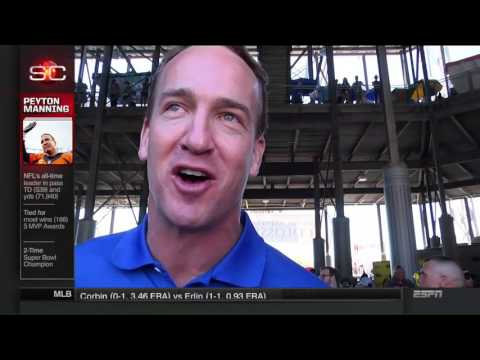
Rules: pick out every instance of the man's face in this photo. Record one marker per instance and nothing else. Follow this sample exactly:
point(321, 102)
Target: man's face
point(325, 276)
point(48, 144)
point(200, 141)
point(428, 277)
point(400, 274)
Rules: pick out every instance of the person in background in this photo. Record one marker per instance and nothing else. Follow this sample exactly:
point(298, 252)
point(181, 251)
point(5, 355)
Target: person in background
point(357, 90)
point(114, 93)
point(469, 283)
point(441, 272)
point(364, 282)
point(377, 88)
point(399, 279)
point(328, 275)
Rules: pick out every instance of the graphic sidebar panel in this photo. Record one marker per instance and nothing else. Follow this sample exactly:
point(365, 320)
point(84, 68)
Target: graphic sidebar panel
point(47, 143)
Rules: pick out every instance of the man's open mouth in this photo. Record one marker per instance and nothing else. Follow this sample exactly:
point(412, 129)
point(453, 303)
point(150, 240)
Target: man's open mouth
point(193, 176)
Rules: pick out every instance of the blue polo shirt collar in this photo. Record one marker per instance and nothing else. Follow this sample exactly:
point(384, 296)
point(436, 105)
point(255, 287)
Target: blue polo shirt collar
point(242, 266)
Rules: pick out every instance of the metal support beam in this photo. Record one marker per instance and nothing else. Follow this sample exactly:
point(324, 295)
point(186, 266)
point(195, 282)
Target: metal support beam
point(125, 55)
point(388, 106)
point(298, 58)
point(93, 89)
point(365, 74)
point(415, 75)
point(156, 58)
point(430, 202)
point(326, 148)
point(115, 192)
point(442, 51)
point(318, 246)
point(141, 53)
point(418, 58)
point(83, 61)
point(380, 232)
point(419, 205)
point(338, 175)
point(405, 64)
point(360, 140)
point(341, 225)
point(469, 219)
point(449, 242)
point(398, 199)
point(401, 131)
point(425, 220)
point(294, 145)
point(131, 208)
point(112, 220)
point(95, 154)
point(403, 70)
point(424, 216)
point(397, 183)
point(130, 142)
point(464, 132)
point(310, 62)
point(465, 170)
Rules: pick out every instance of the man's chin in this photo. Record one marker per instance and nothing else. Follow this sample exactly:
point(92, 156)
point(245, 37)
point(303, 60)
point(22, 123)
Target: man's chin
point(192, 223)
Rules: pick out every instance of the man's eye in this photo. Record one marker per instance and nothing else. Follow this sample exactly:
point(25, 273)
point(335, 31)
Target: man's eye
point(229, 117)
point(173, 107)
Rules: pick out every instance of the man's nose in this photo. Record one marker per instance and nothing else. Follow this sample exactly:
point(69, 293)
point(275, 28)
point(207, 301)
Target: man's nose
point(198, 138)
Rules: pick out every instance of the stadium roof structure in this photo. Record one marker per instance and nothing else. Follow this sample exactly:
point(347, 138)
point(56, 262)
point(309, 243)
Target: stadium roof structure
point(300, 134)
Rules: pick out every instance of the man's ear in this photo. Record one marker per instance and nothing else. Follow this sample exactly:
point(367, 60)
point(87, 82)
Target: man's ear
point(144, 140)
point(258, 150)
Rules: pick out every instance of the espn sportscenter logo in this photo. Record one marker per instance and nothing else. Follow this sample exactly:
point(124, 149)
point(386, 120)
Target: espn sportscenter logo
point(47, 72)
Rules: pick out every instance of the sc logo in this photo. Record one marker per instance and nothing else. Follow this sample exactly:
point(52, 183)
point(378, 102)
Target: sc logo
point(47, 72)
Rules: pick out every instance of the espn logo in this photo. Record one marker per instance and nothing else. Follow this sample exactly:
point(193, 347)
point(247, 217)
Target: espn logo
point(427, 294)
point(48, 71)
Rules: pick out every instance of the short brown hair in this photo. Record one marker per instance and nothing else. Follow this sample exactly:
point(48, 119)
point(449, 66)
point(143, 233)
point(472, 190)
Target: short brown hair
point(242, 52)
point(55, 141)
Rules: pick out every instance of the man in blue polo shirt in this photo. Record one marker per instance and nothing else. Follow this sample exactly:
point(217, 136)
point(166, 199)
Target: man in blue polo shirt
point(203, 135)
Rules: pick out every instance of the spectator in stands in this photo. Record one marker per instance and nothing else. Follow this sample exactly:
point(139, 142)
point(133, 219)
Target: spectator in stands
point(81, 95)
point(345, 89)
point(357, 90)
point(469, 283)
point(338, 92)
point(114, 93)
point(328, 275)
point(399, 279)
point(128, 95)
point(377, 88)
point(297, 94)
point(364, 282)
point(441, 272)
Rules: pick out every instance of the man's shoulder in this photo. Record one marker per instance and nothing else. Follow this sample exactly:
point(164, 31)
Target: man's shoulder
point(281, 271)
point(96, 254)
point(99, 246)
point(67, 156)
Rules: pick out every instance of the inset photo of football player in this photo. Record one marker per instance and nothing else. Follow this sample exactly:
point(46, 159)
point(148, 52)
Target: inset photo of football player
point(47, 141)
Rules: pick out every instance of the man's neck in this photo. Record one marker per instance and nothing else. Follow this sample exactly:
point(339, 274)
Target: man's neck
point(186, 254)
point(51, 154)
